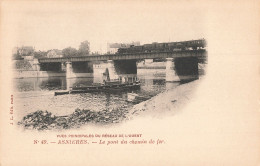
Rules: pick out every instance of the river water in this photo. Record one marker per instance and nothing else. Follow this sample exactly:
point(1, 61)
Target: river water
point(34, 94)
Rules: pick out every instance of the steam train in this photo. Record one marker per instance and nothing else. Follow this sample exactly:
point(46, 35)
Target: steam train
point(164, 47)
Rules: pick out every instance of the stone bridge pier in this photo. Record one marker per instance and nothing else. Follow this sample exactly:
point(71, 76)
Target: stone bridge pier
point(79, 69)
point(171, 74)
point(124, 70)
point(69, 70)
point(181, 69)
point(36, 65)
point(112, 70)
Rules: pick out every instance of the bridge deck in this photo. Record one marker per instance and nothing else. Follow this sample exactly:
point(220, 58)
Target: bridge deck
point(151, 55)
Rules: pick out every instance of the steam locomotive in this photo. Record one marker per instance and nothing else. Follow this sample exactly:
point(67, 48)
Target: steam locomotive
point(164, 47)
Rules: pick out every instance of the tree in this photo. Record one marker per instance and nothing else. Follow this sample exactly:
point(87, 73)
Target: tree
point(26, 51)
point(84, 48)
point(69, 52)
point(40, 54)
point(20, 52)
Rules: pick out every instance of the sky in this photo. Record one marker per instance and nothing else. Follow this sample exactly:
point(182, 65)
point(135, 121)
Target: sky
point(60, 24)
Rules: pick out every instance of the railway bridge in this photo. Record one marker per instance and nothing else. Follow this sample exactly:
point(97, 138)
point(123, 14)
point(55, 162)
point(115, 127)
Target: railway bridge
point(179, 64)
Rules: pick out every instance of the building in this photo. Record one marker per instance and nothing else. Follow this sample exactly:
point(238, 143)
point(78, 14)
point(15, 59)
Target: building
point(113, 47)
point(54, 53)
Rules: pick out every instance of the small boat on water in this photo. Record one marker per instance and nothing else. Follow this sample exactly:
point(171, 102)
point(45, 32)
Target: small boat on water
point(61, 93)
point(107, 86)
point(131, 96)
point(137, 98)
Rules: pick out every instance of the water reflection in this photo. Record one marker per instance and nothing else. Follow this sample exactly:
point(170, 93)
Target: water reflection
point(149, 85)
point(39, 84)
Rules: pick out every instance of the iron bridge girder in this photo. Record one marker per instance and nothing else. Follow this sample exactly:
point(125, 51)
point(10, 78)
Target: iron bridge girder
point(136, 56)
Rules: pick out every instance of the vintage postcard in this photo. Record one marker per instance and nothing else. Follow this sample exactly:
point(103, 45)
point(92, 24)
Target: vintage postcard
point(130, 83)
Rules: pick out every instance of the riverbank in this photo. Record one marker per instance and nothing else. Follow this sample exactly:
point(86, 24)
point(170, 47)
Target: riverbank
point(165, 103)
point(103, 110)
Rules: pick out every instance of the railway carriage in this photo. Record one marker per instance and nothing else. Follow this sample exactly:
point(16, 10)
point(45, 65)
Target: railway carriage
point(147, 47)
point(164, 47)
point(136, 49)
